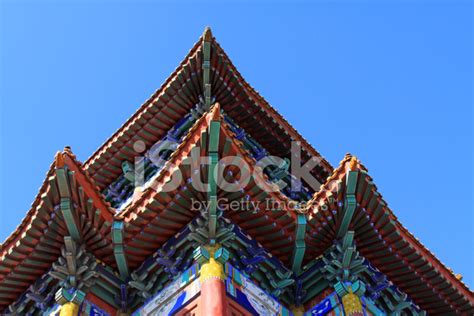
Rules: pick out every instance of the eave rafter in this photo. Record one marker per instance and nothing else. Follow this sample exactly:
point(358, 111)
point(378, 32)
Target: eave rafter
point(155, 208)
point(227, 146)
point(382, 239)
point(250, 109)
point(68, 204)
point(275, 229)
point(205, 66)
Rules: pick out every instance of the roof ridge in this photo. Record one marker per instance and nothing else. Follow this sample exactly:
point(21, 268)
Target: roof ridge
point(205, 118)
point(350, 162)
point(422, 247)
point(83, 178)
point(147, 103)
point(247, 156)
point(61, 159)
point(14, 235)
point(270, 109)
point(193, 59)
point(415, 240)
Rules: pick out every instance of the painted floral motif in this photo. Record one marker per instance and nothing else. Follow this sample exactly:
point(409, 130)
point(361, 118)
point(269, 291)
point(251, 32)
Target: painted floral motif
point(263, 303)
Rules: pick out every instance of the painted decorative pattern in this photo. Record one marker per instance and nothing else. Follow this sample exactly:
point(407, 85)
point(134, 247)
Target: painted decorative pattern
point(173, 297)
point(250, 296)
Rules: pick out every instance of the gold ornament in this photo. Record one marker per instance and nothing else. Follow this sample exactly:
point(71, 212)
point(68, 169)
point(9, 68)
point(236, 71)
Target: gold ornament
point(69, 309)
point(352, 304)
point(212, 269)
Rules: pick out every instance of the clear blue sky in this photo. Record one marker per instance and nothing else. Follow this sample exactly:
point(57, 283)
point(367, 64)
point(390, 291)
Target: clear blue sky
point(388, 81)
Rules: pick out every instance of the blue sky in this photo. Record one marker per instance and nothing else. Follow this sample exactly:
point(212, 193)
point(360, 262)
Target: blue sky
point(390, 82)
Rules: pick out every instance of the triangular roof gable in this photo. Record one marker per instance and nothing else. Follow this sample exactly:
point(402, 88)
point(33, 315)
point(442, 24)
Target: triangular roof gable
point(36, 243)
point(161, 213)
point(181, 91)
point(254, 114)
point(152, 209)
point(380, 237)
point(274, 229)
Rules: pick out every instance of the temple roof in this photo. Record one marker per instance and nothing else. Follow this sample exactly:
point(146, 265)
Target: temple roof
point(180, 92)
point(384, 241)
point(67, 197)
point(70, 200)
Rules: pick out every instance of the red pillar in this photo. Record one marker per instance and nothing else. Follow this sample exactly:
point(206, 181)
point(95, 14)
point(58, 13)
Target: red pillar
point(213, 298)
point(213, 291)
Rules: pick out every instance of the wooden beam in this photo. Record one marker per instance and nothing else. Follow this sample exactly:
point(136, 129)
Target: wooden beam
point(300, 245)
point(350, 203)
point(119, 251)
point(213, 172)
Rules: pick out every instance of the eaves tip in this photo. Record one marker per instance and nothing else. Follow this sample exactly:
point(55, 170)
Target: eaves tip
point(207, 35)
point(59, 160)
point(216, 115)
point(353, 163)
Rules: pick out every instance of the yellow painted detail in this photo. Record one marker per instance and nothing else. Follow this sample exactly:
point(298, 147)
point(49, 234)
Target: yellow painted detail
point(298, 311)
point(69, 309)
point(352, 304)
point(212, 269)
point(353, 163)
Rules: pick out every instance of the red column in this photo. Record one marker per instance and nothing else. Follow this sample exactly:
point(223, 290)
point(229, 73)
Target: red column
point(213, 298)
point(213, 291)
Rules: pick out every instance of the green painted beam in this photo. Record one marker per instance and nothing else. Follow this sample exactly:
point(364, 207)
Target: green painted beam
point(102, 294)
point(70, 218)
point(62, 182)
point(372, 307)
point(350, 203)
point(65, 203)
point(63, 296)
point(300, 245)
point(213, 147)
point(119, 251)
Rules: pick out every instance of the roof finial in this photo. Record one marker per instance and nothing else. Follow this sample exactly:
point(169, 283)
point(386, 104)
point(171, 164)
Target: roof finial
point(207, 35)
point(67, 150)
point(217, 112)
point(59, 160)
point(353, 163)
